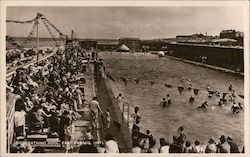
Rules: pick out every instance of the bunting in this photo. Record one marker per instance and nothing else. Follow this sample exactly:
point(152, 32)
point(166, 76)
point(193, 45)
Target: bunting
point(125, 81)
point(50, 32)
point(110, 77)
point(211, 92)
point(137, 81)
point(196, 91)
point(168, 86)
point(242, 96)
point(60, 33)
point(151, 83)
point(26, 22)
point(180, 89)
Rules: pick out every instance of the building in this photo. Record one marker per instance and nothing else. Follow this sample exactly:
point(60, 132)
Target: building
point(132, 43)
point(88, 43)
point(232, 34)
point(154, 45)
point(107, 44)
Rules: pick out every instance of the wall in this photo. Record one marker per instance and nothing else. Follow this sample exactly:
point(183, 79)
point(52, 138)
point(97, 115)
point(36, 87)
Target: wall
point(104, 91)
point(230, 58)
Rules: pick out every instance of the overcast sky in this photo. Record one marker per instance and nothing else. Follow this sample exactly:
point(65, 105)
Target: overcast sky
point(142, 22)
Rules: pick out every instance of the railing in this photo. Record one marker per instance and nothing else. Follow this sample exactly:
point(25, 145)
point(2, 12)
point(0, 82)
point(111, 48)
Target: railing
point(8, 75)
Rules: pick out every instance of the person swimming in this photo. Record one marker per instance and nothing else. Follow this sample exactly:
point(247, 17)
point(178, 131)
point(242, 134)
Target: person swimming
point(204, 105)
point(169, 99)
point(220, 103)
point(191, 99)
point(164, 102)
point(236, 108)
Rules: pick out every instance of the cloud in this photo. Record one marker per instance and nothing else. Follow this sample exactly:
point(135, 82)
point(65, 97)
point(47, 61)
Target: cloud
point(146, 22)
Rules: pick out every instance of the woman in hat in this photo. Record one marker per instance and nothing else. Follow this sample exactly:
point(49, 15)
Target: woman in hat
point(223, 146)
point(211, 147)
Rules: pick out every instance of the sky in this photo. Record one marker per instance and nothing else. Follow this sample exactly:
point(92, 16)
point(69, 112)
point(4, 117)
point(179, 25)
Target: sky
point(115, 22)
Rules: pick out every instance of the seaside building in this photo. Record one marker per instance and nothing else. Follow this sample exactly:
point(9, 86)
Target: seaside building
point(131, 43)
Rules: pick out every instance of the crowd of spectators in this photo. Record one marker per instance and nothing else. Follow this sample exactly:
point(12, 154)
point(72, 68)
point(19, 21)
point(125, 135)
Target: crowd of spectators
point(49, 96)
point(146, 143)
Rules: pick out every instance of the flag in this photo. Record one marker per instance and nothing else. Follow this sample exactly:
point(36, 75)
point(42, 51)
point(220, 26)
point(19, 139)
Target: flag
point(168, 86)
point(211, 92)
point(110, 77)
point(242, 96)
point(125, 81)
point(152, 83)
point(137, 81)
point(180, 89)
point(196, 91)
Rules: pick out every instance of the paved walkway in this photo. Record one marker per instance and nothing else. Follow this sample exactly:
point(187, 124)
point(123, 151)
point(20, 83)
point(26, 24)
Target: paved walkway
point(107, 100)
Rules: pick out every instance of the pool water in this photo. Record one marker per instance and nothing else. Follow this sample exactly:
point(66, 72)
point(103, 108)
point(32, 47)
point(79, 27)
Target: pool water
point(164, 122)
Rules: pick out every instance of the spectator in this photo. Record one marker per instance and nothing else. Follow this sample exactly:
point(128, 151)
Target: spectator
point(152, 145)
point(135, 147)
point(136, 130)
point(136, 115)
point(164, 146)
point(197, 148)
point(211, 147)
point(181, 133)
point(233, 146)
point(176, 146)
point(64, 119)
point(88, 136)
point(88, 147)
point(188, 148)
point(19, 121)
point(95, 108)
point(111, 145)
point(54, 122)
point(223, 146)
point(35, 120)
point(108, 119)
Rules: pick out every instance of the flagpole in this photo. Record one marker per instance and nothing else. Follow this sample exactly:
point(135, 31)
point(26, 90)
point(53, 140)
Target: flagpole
point(37, 39)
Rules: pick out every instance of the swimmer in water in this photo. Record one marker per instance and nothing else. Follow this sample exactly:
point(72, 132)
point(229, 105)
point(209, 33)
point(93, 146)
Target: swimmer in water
point(169, 100)
point(164, 102)
point(237, 108)
point(217, 93)
point(191, 99)
point(220, 103)
point(230, 87)
point(204, 105)
point(208, 87)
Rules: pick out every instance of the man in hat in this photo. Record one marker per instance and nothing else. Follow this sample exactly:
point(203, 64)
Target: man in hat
point(204, 105)
point(223, 146)
point(233, 146)
point(211, 147)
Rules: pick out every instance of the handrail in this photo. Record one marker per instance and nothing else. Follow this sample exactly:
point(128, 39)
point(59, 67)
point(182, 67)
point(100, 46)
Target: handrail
point(8, 75)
